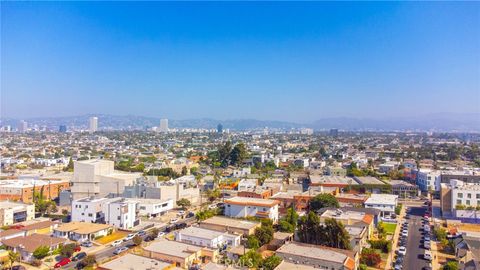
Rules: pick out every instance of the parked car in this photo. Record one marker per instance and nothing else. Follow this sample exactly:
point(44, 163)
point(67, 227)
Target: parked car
point(77, 248)
point(426, 245)
point(174, 220)
point(181, 213)
point(182, 225)
point(79, 256)
point(87, 244)
point(427, 256)
point(190, 214)
point(149, 238)
point(142, 233)
point(62, 262)
point(402, 251)
point(129, 237)
point(19, 267)
point(116, 243)
point(119, 250)
point(426, 238)
point(161, 234)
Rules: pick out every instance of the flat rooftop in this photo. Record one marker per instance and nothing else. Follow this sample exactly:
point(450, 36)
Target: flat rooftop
point(332, 179)
point(130, 261)
point(251, 201)
point(82, 227)
point(10, 204)
point(382, 199)
point(29, 183)
point(315, 252)
point(339, 214)
point(203, 233)
point(368, 180)
point(231, 222)
point(172, 248)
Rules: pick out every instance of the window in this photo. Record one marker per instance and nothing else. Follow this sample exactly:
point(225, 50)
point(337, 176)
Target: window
point(468, 202)
point(459, 201)
point(478, 195)
point(90, 214)
point(460, 195)
point(469, 195)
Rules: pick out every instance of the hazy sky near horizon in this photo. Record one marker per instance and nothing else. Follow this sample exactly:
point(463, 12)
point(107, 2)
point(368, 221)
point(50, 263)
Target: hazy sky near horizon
point(263, 60)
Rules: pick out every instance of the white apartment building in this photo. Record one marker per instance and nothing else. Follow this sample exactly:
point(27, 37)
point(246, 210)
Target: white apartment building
point(383, 202)
point(93, 124)
point(12, 212)
point(241, 207)
point(207, 238)
point(118, 212)
point(464, 194)
point(96, 177)
point(121, 213)
point(152, 207)
point(89, 210)
point(428, 180)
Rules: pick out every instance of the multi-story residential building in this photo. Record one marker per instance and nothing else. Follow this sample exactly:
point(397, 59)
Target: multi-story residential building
point(97, 177)
point(23, 189)
point(207, 238)
point(386, 203)
point(467, 176)
point(118, 212)
point(12, 212)
point(153, 207)
point(163, 125)
point(349, 217)
point(428, 180)
point(121, 213)
point(403, 188)
point(241, 207)
point(458, 196)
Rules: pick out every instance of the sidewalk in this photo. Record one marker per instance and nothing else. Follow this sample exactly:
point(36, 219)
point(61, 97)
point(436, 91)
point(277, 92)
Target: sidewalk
point(434, 249)
point(400, 219)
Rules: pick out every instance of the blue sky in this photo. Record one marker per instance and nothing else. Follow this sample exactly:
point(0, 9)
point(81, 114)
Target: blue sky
point(224, 60)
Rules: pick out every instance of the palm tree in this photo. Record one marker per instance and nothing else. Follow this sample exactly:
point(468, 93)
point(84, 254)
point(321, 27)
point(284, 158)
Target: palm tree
point(13, 257)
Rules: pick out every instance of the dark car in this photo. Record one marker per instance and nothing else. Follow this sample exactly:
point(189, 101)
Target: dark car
point(141, 233)
point(87, 244)
point(149, 238)
point(190, 214)
point(182, 225)
point(79, 256)
point(19, 267)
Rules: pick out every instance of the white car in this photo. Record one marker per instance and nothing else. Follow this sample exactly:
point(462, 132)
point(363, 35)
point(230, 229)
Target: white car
point(174, 220)
point(129, 237)
point(402, 251)
point(427, 256)
point(116, 243)
point(181, 213)
point(161, 234)
point(405, 233)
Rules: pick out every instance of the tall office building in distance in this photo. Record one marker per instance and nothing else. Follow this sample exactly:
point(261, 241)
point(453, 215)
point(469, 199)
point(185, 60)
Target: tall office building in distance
point(163, 125)
point(22, 126)
point(93, 124)
point(220, 128)
point(334, 132)
point(62, 128)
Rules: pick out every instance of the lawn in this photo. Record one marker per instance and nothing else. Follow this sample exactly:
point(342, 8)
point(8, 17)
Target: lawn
point(389, 227)
point(112, 237)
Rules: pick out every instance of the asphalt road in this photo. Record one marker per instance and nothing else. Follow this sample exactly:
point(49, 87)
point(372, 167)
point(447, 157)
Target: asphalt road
point(108, 252)
point(414, 258)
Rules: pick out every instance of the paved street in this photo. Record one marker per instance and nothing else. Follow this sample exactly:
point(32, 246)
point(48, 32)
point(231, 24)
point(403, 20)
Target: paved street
point(414, 258)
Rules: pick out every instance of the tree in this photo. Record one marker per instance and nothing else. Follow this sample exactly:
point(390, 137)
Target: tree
point(451, 265)
point(154, 232)
point(137, 240)
point(291, 217)
point(323, 200)
point(69, 167)
point(184, 170)
point(67, 250)
point(271, 262)
point(264, 233)
point(331, 234)
point(41, 252)
point(238, 154)
point(88, 261)
point(252, 242)
point(184, 203)
point(13, 257)
point(213, 194)
point(251, 259)
point(440, 233)
point(284, 226)
point(370, 257)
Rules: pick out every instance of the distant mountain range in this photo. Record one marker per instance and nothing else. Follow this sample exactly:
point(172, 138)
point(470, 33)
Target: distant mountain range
point(445, 122)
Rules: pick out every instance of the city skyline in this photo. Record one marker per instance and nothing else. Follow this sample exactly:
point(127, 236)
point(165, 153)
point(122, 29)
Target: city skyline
point(295, 62)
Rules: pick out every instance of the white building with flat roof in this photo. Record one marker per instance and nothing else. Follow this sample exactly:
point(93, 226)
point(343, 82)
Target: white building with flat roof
point(241, 207)
point(207, 238)
point(153, 207)
point(12, 212)
point(383, 202)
